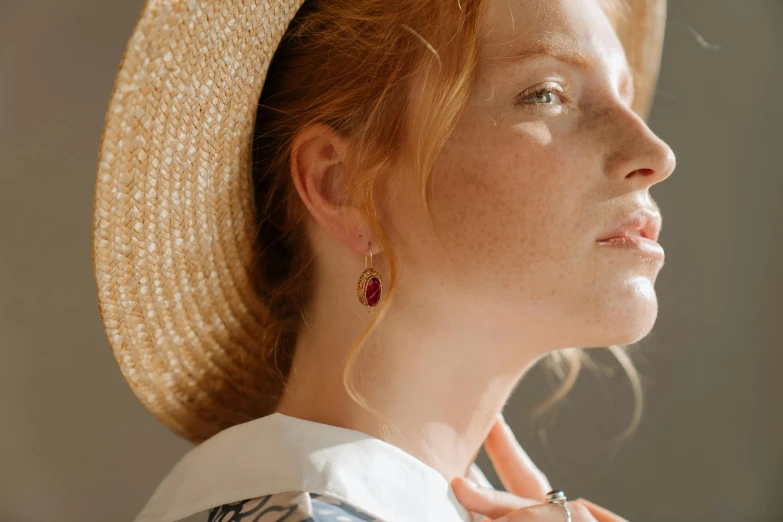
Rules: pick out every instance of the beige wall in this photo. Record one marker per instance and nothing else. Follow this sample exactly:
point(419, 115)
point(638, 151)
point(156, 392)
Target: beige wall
point(75, 445)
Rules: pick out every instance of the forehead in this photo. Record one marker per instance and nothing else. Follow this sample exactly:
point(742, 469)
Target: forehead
point(576, 29)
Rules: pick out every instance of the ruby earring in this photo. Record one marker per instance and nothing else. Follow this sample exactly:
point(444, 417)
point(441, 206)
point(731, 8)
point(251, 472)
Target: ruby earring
point(370, 286)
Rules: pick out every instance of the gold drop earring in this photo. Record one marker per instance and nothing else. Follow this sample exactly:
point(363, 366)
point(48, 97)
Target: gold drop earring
point(370, 285)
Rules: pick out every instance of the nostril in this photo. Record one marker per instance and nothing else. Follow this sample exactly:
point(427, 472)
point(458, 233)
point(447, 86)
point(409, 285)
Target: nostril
point(643, 172)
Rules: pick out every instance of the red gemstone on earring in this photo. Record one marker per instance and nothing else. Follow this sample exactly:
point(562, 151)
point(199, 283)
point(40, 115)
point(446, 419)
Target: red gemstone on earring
point(373, 291)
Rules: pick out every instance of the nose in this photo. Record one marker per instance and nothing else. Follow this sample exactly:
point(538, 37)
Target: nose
point(635, 152)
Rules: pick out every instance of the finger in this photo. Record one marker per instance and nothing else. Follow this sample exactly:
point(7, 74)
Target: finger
point(514, 467)
point(487, 501)
point(601, 514)
point(547, 512)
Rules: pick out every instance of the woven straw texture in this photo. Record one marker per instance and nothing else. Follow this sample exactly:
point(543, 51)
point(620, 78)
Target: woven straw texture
point(173, 215)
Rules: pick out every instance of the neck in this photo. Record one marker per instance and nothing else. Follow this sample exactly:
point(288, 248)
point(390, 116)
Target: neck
point(436, 383)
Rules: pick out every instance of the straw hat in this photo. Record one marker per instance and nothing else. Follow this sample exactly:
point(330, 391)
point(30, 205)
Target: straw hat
point(173, 236)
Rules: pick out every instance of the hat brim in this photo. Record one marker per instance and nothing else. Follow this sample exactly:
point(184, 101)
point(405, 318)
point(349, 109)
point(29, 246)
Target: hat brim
point(173, 235)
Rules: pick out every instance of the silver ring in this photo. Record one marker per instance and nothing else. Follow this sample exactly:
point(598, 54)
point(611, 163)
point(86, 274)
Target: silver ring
point(557, 496)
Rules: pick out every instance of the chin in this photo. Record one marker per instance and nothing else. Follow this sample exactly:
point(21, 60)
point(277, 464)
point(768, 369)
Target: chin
point(633, 332)
point(624, 320)
point(618, 334)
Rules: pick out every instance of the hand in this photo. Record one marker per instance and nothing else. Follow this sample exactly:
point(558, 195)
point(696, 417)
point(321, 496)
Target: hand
point(526, 487)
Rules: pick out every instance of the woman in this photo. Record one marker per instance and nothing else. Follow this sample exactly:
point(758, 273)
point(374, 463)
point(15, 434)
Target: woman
point(482, 167)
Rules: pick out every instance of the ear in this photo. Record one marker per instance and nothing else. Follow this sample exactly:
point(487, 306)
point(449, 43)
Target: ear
point(319, 175)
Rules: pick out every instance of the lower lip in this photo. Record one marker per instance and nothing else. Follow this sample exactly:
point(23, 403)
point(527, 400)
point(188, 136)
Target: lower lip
point(645, 246)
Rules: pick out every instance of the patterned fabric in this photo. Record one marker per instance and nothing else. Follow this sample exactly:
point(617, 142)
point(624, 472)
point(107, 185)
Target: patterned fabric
point(293, 506)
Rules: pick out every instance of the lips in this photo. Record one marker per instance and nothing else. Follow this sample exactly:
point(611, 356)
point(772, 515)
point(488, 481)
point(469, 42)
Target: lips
point(643, 222)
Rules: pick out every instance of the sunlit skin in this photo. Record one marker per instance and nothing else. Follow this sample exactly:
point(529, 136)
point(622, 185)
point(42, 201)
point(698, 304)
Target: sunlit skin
point(525, 186)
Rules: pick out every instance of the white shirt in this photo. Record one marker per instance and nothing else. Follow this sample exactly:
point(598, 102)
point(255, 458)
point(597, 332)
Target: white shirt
point(279, 453)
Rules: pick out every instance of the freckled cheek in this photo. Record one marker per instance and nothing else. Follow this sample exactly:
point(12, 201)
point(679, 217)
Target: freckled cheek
point(505, 202)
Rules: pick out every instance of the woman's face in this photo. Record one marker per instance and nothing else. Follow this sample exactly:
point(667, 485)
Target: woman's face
point(547, 159)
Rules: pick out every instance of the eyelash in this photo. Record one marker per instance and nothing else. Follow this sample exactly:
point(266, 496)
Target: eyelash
point(559, 90)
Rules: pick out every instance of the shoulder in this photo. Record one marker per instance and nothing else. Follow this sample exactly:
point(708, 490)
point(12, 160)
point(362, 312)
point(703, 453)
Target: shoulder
point(292, 506)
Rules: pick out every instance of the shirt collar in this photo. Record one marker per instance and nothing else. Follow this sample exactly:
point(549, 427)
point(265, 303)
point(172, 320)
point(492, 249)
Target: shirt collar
point(279, 453)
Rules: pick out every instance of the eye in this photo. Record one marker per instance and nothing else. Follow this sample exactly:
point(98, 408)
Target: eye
point(549, 95)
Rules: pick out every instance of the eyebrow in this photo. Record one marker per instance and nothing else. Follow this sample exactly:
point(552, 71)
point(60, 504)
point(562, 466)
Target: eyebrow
point(553, 50)
point(563, 53)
